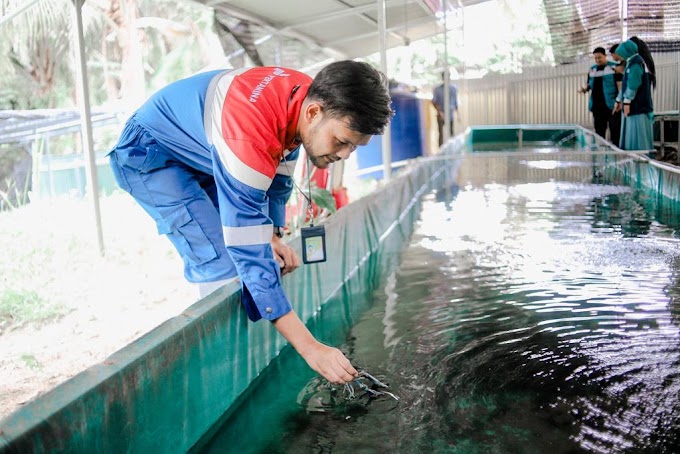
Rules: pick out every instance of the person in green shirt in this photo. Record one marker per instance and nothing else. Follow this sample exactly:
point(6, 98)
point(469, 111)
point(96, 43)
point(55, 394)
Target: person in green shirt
point(636, 100)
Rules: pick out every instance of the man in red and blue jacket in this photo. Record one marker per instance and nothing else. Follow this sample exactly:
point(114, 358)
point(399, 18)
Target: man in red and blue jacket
point(208, 158)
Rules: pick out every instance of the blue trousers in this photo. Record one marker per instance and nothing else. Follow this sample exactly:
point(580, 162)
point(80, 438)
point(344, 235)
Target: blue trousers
point(181, 199)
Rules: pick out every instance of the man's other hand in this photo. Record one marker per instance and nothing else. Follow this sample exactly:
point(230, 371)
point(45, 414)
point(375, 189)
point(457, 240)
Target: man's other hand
point(285, 255)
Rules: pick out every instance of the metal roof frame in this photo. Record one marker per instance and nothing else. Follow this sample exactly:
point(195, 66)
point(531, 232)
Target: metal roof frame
point(343, 29)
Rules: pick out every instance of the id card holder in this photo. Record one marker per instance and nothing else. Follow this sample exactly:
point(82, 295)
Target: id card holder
point(313, 244)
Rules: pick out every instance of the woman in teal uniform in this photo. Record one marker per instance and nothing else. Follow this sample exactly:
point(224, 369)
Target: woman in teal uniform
point(636, 98)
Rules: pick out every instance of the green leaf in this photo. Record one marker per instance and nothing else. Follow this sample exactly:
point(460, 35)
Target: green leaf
point(323, 199)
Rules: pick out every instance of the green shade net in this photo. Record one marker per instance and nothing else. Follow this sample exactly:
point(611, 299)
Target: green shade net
point(579, 26)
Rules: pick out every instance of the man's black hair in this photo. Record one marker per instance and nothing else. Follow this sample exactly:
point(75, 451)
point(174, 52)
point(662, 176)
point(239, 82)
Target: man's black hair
point(356, 91)
point(612, 50)
point(599, 50)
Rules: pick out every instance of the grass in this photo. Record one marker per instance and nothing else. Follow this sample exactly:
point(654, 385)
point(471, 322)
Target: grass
point(31, 361)
point(63, 306)
point(12, 197)
point(51, 266)
point(21, 307)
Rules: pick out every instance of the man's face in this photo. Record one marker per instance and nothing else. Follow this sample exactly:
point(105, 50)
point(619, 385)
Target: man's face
point(328, 140)
point(616, 57)
point(600, 59)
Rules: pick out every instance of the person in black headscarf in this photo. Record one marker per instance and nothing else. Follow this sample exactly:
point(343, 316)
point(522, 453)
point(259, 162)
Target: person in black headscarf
point(636, 99)
point(646, 54)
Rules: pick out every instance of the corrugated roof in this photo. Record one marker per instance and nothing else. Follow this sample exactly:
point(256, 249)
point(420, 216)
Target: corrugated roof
point(343, 28)
point(349, 28)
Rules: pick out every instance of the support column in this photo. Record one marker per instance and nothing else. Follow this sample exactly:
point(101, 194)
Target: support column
point(447, 76)
point(623, 16)
point(387, 135)
point(85, 118)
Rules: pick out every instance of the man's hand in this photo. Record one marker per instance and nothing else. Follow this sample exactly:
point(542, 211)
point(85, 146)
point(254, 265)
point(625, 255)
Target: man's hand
point(329, 362)
point(285, 255)
point(626, 109)
point(617, 107)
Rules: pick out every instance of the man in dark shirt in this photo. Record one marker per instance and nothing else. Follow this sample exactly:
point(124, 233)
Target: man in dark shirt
point(438, 102)
point(603, 90)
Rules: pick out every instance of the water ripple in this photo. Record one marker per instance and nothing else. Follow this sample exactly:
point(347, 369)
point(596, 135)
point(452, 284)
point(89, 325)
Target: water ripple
point(554, 302)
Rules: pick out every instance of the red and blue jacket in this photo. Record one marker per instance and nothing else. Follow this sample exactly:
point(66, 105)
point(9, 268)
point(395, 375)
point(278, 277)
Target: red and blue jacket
point(239, 126)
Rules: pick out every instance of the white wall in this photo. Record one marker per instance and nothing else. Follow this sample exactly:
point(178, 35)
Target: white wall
point(549, 95)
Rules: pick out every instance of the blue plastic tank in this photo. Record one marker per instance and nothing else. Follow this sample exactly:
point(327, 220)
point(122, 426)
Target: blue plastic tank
point(407, 135)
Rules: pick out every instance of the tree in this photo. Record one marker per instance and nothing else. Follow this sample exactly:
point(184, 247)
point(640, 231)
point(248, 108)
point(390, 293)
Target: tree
point(35, 44)
point(527, 42)
point(421, 63)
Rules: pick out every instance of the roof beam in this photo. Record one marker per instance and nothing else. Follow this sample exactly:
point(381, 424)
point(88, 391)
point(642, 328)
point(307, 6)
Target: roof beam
point(351, 11)
point(374, 22)
point(231, 11)
point(425, 7)
point(391, 29)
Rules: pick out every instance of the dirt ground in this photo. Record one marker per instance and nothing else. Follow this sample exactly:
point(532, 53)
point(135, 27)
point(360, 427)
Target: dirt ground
point(84, 307)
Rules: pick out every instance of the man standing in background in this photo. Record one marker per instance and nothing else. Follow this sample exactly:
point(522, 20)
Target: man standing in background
point(438, 101)
point(603, 90)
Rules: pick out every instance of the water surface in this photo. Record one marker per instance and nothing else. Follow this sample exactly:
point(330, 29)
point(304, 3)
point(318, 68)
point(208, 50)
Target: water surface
point(536, 309)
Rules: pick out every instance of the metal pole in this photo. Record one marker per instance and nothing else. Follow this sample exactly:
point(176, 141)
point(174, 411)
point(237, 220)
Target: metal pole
point(447, 77)
point(677, 88)
point(662, 147)
point(50, 174)
point(623, 11)
point(563, 110)
point(387, 135)
point(85, 120)
point(465, 80)
point(277, 51)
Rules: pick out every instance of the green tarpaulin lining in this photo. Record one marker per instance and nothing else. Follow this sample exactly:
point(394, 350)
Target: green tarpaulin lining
point(164, 391)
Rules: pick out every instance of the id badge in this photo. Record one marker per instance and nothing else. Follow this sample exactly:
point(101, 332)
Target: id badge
point(313, 244)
